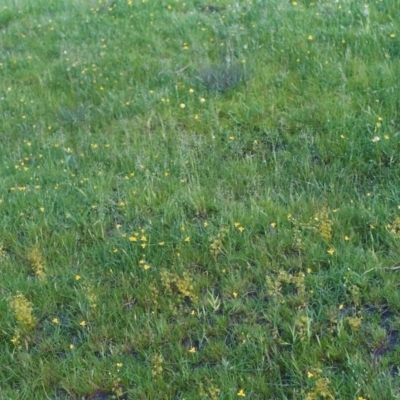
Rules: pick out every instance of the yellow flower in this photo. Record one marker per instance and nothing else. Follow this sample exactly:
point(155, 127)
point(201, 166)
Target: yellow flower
point(82, 323)
point(55, 320)
point(187, 239)
point(192, 350)
point(310, 37)
point(346, 238)
point(182, 105)
point(241, 393)
point(331, 251)
point(15, 340)
point(77, 277)
point(71, 346)
point(133, 238)
point(309, 374)
point(241, 229)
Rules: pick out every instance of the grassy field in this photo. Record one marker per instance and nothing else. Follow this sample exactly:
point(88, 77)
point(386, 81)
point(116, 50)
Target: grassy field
point(199, 200)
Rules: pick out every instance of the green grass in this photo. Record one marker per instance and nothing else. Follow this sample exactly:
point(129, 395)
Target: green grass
point(199, 200)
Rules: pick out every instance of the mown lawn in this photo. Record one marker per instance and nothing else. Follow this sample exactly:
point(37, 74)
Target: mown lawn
point(199, 200)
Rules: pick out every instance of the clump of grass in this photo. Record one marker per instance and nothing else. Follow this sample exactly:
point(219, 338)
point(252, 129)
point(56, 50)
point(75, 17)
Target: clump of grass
point(222, 77)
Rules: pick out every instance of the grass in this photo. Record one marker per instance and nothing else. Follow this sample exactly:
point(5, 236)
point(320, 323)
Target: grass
point(199, 200)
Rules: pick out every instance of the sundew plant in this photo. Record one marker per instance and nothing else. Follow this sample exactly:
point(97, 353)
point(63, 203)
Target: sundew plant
point(199, 199)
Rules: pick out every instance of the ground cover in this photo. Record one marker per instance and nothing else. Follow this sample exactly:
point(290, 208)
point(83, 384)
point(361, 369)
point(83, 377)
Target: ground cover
point(199, 200)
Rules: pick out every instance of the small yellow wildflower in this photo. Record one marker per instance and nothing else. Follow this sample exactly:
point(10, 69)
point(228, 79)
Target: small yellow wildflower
point(192, 350)
point(234, 294)
point(202, 100)
point(82, 323)
point(133, 238)
point(331, 251)
point(119, 365)
point(341, 306)
point(187, 239)
point(310, 37)
point(71, 346)
point(236, 224)
point(161, 243)
point(55, 320)
point(15, 340)
point(241, 393)
point(346, 238)
point(182, 105)
point(309, 374)
point(392, 35)
point(77, 277)
point(205, 224)
point(241, 229)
